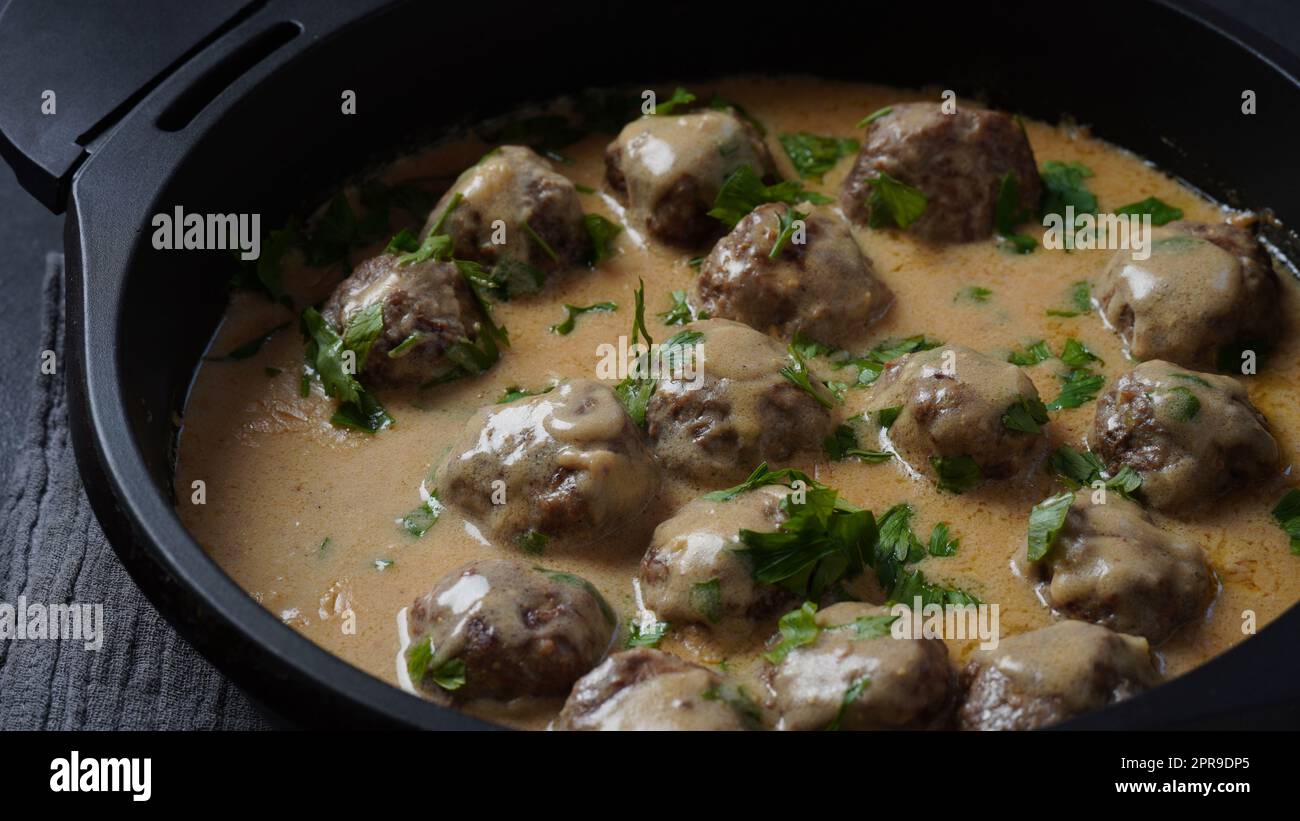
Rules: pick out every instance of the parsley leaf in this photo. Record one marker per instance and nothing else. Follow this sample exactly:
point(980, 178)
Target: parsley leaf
point(743, 191)
point(1077, 388)
point(797, 372)
point(645, 635)
point(681, 312)
point(821, 541)
point(249, 348)
point(798, 628)
point(602, 233)
point(325, 356)
point(418, 521)
point(1084, 468)
point(843, 443)
point(1008, 214)
point(894, 201)
point(680, 99)
point(1161, 212)
point(423, 664)
point(572, 312)
point(941, 541)
point(974, 293)
point(1287, 516)
point(785, 229)
point(1035, 353)
point(875, 115)
point(1063, 184)
point(1180, 403)
point(1045, 522)
point(705, 598)
point(362, 329)
point(514, 392)
point(813, 155)
point(851, 694)
point(1080, 298)
point(1027, 415)
point(761, 477)
point(957, 474)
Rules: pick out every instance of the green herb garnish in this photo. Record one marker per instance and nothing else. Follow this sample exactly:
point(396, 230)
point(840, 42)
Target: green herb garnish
point(572, 312)
point(1045, 523)
point(813, 155)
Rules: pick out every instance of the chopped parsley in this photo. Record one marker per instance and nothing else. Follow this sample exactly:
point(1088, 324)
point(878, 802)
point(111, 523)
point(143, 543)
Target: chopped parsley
point(705, 598)
point(1045, 522)
point(404, 347)
point(957, 474)
point(851, 694)
point(1032, 355)
point(1161, 212)
point(572, 312)
point(602, 233)
point(681, 312)
point(1080, 299)
point(885, 417)
point(418, 521)
point(786, 222)
point(813, 155)
point(1084, 468)
point(1027, 415)
point(798, 628)
point(1008, 214)
point(1181, 404)
point(821, 541)
point(533, 542)
point(941, 541)
point(645, 635)
point(761, 477)
point(325, 352)
point(681, 98)
point(875, 115)
point(1287, 516)
point(798, 374)
point(1078, 387)
point(743, 191)
point(514, 392)
point(974, 293)
point(843, 443)
point(894, 201)
point(361, 331)
point(423, 664)
point(1063, 185)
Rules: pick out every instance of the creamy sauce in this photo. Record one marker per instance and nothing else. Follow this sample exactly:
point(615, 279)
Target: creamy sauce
point(305, 516)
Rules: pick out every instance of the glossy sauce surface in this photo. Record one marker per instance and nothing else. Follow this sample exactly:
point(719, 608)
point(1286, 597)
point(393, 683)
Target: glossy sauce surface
point(305, 516)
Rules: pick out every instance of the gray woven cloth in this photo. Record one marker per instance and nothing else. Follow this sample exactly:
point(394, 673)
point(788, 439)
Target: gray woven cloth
point(144, 676)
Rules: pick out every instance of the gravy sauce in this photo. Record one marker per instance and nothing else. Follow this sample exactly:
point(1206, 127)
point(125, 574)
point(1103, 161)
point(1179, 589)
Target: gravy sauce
point(305, 516)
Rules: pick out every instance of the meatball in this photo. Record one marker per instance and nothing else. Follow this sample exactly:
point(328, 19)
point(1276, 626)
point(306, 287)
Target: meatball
point(953, 402)
point(427, 303)
point(1191, 435)
point(646, 689)
point(508, 630)
point(695, 550)
point(513, 184)
point(957, 160)
point(857, 672)
point(1205, 293)
point(824, 287)
point(739, 412)
point(1045, 676)
point(1113, 566)
point(669, 169)
point(564, 469)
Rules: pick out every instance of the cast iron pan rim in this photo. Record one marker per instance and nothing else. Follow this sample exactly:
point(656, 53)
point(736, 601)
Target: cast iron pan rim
point(169, 564)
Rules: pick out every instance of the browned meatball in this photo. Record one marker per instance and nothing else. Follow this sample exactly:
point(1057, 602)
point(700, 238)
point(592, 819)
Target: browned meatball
point(1045, 676)
point(646, 689)
point(692, 573)
point(425, 300)
point(1192, 436)
point(572, 469)
point(855, 675)
point(1113, 566)
point(954, 405)
point(741, 411)
point(1205, 293)
point(957, 160)
point(522, 190)
point(497, 629)
point(669, 170)
point(824, 287)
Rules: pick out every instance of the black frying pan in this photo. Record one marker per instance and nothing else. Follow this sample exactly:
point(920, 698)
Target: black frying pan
point(246, 118)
